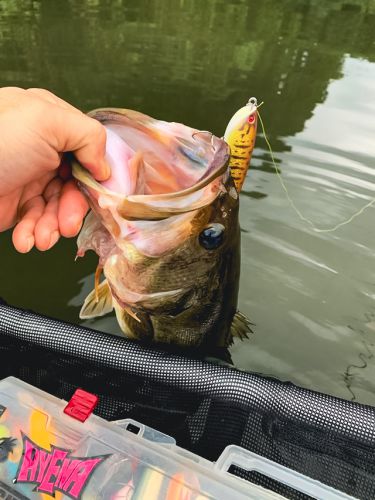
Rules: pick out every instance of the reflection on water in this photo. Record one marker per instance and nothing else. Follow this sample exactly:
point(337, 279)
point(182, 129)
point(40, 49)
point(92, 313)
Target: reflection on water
point(311, 295)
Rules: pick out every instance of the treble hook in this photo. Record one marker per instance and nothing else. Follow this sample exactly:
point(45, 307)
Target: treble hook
point(205, 132)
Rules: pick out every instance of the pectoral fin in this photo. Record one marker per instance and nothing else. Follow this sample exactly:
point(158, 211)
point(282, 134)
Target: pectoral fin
point(121, 315)
point(240, 327)
point(98, 273)
point(98, 302)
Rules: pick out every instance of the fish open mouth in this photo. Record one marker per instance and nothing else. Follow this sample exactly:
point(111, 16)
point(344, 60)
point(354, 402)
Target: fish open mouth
point(158, 169)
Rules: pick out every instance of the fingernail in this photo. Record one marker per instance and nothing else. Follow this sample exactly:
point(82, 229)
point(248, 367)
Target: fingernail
point(53, 239)
point(30, 243)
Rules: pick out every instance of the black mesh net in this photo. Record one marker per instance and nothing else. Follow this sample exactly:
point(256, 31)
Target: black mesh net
point(204, 406)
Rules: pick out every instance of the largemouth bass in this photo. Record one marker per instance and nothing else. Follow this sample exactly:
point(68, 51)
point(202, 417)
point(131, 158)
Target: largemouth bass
point(165, 227)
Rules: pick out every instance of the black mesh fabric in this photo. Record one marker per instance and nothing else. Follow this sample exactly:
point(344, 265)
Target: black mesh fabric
point(204, 406)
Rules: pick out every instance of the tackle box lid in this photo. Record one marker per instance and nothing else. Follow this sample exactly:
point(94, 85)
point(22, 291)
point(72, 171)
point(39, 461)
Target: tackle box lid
point(51, 449)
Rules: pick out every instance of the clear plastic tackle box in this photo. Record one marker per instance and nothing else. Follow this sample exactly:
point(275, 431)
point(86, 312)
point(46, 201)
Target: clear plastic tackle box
point(51, 449)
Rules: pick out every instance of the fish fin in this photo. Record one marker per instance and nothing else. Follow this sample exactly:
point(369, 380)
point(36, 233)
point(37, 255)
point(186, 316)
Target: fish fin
point(98, 273)
point(98, 302)
point(240, 326)
point(131, 313)
point(121, 315)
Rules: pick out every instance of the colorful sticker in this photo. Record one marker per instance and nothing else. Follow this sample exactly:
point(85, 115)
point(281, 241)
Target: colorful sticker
point(55, 470)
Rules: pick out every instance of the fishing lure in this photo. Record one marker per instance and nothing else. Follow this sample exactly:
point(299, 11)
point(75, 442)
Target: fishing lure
point(240, 136)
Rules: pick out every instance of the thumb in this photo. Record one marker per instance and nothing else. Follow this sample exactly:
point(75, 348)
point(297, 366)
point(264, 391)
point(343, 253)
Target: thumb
point(85, 137)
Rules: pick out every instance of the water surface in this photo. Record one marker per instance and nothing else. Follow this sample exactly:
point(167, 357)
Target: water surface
point(311, 295)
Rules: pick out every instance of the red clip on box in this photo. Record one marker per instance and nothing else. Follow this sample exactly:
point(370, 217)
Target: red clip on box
point(81, 405)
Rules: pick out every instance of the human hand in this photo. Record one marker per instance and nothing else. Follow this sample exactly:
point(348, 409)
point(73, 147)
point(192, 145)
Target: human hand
point(37, 194)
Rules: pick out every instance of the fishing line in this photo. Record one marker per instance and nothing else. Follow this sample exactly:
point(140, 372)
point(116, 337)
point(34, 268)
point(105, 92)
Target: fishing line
point(298, 212)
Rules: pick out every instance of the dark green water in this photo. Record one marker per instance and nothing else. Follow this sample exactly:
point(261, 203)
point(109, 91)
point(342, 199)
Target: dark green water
point(311, 295)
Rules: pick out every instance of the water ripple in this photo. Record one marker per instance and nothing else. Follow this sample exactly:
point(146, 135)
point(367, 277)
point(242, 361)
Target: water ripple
point(289, 250)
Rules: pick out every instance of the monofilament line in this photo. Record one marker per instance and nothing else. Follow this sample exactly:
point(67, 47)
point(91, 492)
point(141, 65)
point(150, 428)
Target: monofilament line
point(298, 212)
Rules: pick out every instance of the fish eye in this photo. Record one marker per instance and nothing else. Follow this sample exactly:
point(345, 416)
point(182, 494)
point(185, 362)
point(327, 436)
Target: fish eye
point(212, 236)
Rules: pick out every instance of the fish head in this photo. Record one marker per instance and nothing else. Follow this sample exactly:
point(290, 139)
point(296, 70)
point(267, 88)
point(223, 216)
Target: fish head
point(165, 227)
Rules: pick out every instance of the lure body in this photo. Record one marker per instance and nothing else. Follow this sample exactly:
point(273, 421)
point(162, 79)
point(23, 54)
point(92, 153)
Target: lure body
point(240, 136)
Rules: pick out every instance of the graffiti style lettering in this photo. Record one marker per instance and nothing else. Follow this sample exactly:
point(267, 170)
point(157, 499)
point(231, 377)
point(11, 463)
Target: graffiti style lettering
point(55, 470)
